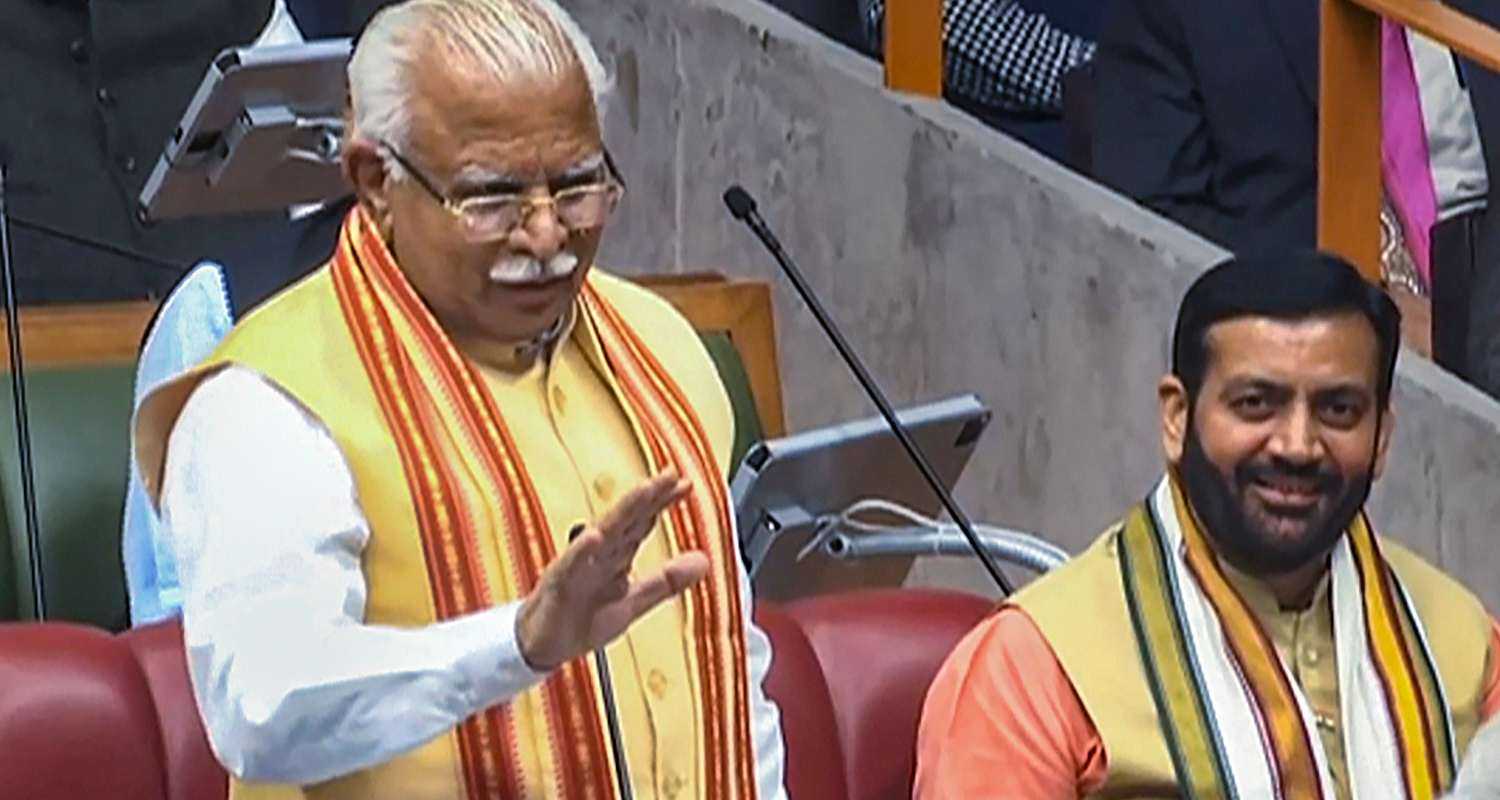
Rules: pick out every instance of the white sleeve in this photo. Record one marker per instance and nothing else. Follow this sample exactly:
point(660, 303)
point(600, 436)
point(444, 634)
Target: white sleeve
point(292, 685)
point(1479, 778)
point(765, 717)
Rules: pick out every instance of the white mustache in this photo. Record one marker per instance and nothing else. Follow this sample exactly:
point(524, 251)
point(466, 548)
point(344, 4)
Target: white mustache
point(526, 269)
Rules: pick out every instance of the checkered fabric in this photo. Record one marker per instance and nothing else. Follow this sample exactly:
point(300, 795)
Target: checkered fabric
point(998, 54)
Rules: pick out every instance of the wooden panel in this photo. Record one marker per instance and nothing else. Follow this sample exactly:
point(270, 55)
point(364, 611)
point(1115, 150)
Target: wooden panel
point(742, 309)
point(76, 335)
point(914, 46)
point(1458, 31)
point(1349, 136)
point(680, 278)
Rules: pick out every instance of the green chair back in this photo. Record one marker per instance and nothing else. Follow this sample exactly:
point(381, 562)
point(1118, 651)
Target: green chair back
point(80, 442)
point(748, 430)
point(80, 420)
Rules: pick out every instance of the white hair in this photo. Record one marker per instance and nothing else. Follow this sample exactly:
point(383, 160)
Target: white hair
point(503, 38)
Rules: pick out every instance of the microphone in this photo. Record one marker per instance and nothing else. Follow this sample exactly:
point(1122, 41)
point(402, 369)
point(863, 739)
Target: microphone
point(18, 397)
point(612, 718)
point(742, 207)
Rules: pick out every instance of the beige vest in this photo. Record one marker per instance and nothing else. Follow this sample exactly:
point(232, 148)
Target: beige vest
point(1081, 610)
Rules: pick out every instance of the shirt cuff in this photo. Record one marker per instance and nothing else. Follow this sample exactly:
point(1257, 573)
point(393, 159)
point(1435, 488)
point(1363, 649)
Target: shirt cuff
point(493, 669)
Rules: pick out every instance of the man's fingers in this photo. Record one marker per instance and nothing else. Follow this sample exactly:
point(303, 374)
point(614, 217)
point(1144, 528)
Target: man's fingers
point(587, 544)
point(640, 496)
point(641, 505)
point(641, 526)
point(585, 563)
point(677, 576)
point(601, 553)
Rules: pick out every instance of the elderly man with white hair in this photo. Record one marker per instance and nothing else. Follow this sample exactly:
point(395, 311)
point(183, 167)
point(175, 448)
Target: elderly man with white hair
point(410, 493)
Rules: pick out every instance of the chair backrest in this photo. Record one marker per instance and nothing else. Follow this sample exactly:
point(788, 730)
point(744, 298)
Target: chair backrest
point(80, 419)
point(814, 762)
point(741, 310)
point(79, 374)
point(879, 651)
point(87, 714)
point(190, 769)
point(76, 717)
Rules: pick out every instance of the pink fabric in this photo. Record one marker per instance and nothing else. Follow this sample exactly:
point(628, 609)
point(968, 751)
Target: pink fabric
point(1002, 721)
point(1405, 163)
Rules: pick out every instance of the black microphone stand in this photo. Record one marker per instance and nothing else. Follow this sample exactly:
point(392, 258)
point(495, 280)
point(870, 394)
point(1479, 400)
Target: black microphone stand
point(611, 710)
point(23, 421)
point(742, 206)
point(612, 719)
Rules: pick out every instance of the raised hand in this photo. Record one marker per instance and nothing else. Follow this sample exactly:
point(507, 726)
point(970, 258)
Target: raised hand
point(586, 598)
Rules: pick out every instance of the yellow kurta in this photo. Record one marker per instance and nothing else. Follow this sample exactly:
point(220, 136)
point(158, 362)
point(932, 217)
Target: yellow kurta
point(581, 449)
point(580, 437)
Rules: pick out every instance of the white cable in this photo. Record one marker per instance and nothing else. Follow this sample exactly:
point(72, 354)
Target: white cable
point(1033, 550)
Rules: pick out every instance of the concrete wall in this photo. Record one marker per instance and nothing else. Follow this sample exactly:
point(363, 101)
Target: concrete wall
point(960, 261)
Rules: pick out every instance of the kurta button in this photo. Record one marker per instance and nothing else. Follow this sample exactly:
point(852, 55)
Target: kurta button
point(78, 49)
point(559, 399)
point(1310, 655)
point(604, 487)
point(106, 98)
point(656, 681)
point(672, 785)
point(128, 164)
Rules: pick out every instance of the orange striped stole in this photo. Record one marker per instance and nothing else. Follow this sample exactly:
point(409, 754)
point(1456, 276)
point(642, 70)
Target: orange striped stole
point(429, 396)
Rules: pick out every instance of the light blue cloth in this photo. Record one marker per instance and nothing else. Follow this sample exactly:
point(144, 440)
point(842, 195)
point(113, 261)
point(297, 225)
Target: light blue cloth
point(192, 321)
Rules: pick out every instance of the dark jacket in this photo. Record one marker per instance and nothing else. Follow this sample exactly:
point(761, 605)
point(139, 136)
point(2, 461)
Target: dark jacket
point(1206, 112)
point(92, 91)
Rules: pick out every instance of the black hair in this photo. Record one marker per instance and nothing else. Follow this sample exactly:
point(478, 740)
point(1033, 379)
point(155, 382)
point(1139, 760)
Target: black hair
point(1286, 285)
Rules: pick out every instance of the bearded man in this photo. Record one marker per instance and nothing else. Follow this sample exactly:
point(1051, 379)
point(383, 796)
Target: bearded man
point(1242, 632)
point(401, 495)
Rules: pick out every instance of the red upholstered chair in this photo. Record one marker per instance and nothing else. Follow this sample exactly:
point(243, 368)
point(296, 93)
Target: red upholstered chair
point(76, 717)
point(191, 771)
point(814, 763)
point(84, 714)
point(879, 651)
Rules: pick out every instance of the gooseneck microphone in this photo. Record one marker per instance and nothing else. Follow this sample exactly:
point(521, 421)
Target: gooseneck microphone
point(18, 396)
point(612, 721)
point(611, 710)
point(742, 206)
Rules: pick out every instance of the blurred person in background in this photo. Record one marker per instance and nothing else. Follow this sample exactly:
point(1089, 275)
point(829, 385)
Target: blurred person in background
point(97, 88)
point(1207, 113)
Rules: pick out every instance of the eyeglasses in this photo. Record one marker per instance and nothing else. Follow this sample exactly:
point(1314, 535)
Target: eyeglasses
point(491, 217)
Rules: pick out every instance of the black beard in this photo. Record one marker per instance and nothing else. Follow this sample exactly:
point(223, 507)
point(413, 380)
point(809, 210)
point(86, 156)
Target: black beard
point(1240, 538)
